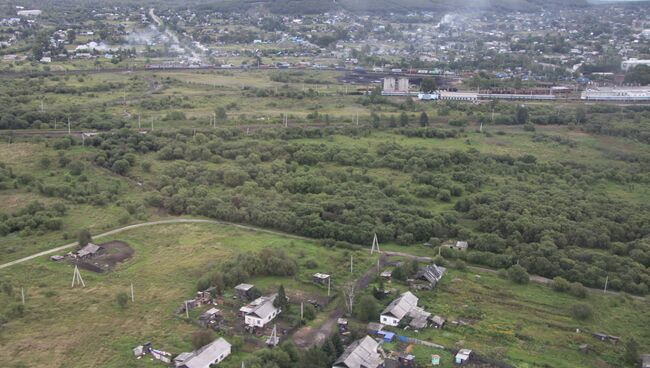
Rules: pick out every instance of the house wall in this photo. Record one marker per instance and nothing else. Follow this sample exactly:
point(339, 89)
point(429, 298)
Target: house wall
point(259, 322)
point(389, 320)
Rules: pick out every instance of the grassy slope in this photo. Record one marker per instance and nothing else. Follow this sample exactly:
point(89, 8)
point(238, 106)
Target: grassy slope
point(529, 325)
point(66, 327)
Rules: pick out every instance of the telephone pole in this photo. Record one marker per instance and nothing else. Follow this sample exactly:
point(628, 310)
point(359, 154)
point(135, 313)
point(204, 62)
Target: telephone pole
point(132, 295)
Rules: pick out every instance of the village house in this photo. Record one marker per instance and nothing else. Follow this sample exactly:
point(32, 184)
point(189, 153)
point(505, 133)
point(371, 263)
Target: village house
point(405, 306)
point(88, 251)
point(243, 291)
point(213, 353)
point(260, 311)
point(320, 278)
point(398, 309)
point(430, 274)
point(362, 353)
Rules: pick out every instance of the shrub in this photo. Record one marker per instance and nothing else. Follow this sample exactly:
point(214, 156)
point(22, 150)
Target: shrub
point(581, 311)
point(201, 338)
point(518, 275)
point(309, 312)
point(560, 284)
point(311, 264)
point(122, 298)
point(578, 290)
point(367, 309)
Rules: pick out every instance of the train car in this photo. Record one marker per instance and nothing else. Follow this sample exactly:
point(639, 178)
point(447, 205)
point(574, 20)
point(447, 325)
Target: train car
point(396, 70)
point(423, 71)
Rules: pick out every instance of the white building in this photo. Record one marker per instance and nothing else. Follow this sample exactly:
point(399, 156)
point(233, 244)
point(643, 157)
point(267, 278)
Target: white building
point(633, 63)
point(260, 311)
point(617, 94)
point(213, 353)
point(394, 86)
point(29, 13)
point(398, 309)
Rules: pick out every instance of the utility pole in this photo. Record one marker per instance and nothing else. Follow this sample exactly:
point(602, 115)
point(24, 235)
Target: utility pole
point(375, 245)
point(357, 118)
point(302, 311)
point(152, 123)
point(76, 277)
point(187, 311)
point(329, 285)
point(42, 107)
point(139, 123)
point(132, 295)
point(606, 280)
point(22, 294)
point(68, 125)
point(351, 262)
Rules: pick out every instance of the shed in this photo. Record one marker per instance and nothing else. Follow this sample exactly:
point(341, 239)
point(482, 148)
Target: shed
point(90, 250)
point(460, 245)
point(320, 278)
point(463, 356)
point(438, 322)
point(387, 274)
point(243, 291)
point(435, 359)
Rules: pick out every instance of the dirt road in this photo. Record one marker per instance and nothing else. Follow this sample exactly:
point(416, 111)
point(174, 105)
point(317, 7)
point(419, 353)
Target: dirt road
point(151, 223)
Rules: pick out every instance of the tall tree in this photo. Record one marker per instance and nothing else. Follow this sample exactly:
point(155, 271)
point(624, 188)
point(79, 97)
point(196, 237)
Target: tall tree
point(428, 85)
point(84, 237)
point(424, 119)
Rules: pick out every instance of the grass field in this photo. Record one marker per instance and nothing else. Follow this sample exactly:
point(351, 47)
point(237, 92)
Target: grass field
point(528, 325)
point(84, 327)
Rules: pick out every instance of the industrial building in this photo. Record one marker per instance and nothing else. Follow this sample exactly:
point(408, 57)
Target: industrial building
point(633, 63)
point(617, 94)
point(395, 86)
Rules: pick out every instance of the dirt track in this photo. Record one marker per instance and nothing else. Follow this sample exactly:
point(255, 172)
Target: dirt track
point(307, 337)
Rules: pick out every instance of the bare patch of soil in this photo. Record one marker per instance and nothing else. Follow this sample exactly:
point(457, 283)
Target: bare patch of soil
point(114, 253)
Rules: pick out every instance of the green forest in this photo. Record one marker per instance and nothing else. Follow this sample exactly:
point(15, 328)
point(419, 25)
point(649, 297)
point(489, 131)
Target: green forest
point(553, 217)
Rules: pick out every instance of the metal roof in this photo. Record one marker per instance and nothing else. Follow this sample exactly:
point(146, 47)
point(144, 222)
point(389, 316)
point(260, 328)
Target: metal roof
point(205, 356)
point(401, 306)
point(360, 354)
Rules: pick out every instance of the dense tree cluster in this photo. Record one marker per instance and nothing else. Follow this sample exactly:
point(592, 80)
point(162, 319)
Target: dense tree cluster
point(238, 269)
point(544, 215)
point(33, 217)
